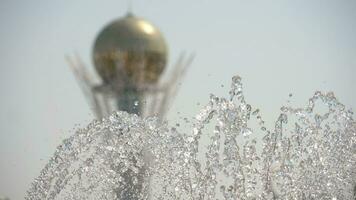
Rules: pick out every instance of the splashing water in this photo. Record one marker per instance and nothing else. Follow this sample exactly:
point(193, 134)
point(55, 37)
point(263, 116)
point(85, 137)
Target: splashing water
point(310, 154)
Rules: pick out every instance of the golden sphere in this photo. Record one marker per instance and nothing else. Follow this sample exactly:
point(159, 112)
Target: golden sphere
point(130, 48)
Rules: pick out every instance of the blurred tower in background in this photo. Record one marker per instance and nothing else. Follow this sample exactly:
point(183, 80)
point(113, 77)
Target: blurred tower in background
point(130, 55)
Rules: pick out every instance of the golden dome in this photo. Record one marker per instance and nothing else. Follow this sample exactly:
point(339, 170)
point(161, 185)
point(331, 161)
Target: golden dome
point(130, 48)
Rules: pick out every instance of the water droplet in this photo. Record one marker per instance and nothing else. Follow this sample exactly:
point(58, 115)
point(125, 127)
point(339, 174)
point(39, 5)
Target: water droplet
point(256, 112)
point(246, 132)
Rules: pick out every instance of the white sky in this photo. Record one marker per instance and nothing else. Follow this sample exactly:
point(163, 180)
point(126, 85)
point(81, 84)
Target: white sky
point(278, 47)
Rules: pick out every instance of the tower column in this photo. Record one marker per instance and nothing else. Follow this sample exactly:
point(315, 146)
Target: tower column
point(130, 100)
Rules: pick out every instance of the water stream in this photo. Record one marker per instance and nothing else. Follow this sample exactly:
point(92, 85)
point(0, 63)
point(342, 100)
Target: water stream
point(229, 153)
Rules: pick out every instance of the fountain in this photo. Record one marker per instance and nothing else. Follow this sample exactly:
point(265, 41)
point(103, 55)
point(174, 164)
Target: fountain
point(228, 154)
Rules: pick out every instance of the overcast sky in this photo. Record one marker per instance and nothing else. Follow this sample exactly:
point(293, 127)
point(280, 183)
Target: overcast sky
point(278, 47)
